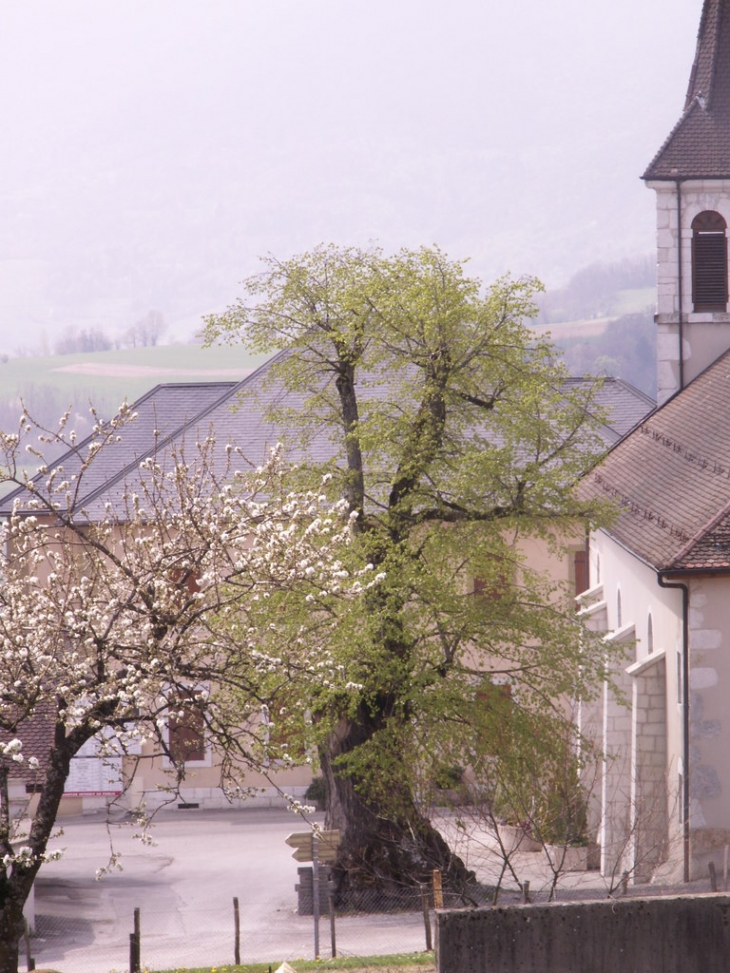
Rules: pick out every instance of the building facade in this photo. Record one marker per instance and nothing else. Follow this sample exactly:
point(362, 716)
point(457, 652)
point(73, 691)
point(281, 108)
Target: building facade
point(660, 575)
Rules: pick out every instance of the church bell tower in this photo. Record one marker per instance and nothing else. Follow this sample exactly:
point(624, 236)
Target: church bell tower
point(691, 177)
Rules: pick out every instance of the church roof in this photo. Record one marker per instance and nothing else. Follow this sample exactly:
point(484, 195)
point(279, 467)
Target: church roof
point(670, 478)
point(699, 144)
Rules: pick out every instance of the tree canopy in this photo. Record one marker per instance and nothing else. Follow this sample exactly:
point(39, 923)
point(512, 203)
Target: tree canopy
point(455, 439)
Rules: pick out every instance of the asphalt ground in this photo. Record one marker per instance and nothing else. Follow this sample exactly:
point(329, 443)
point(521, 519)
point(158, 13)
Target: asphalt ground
point(184, 888)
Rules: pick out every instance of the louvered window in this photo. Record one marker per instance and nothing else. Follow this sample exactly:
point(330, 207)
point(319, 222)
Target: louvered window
point(709, 262)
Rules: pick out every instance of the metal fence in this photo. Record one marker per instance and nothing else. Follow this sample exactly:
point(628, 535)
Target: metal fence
point(196, 937)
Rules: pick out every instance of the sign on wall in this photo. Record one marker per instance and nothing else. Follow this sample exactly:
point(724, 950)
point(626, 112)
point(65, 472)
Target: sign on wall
point(94, 775)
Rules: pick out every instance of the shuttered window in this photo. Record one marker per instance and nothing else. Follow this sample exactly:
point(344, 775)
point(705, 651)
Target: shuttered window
point(186, 728)
point(580, 569)
point(709, 262)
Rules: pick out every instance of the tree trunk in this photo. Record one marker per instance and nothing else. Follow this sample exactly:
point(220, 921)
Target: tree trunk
point(11, 932)
point(389, 848)
point(16, 882)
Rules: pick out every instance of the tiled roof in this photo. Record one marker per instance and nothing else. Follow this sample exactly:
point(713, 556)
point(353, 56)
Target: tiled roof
point(624, 405)
point(238, 414)
point(37, 736)
point(670, 478)
point(699, 144)
point(162, 416)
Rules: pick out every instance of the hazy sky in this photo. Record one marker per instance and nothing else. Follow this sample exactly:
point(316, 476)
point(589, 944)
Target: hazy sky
point(153, 148)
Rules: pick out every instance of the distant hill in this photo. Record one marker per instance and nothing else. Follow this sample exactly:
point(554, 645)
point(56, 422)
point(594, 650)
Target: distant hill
point(603, 321)
point(618, 342)
point(49, 385)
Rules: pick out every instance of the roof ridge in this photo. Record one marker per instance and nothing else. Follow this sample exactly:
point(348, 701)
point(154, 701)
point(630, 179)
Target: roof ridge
point(679, 124)
point(699, 535)
point(699, 144)
point(162, 443)
point(77, 450)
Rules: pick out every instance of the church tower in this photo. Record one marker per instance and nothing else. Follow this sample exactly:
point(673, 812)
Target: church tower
point(691, 177)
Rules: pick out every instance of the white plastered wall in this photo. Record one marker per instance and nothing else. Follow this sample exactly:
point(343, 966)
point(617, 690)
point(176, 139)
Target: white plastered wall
point(632, 719)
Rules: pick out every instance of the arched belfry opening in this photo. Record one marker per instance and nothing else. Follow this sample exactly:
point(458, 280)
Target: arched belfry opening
point(709, 262)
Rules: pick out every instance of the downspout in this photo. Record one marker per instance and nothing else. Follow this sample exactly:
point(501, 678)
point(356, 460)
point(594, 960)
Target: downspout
point(680, 321)
point(663, 583)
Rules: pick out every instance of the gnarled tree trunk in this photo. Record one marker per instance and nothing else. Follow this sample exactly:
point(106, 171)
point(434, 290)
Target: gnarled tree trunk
point(389, 847)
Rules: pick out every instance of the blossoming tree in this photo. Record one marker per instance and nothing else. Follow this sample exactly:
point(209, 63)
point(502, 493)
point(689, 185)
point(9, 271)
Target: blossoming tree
point(116, 617)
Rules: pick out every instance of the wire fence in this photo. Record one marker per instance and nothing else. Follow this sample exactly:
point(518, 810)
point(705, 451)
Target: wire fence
point(196, 937)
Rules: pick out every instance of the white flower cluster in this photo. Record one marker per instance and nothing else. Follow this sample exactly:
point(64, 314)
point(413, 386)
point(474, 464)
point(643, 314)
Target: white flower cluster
point(177, 580)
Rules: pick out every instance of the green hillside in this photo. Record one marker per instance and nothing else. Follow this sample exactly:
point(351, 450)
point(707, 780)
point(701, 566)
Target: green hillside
point(49, 385)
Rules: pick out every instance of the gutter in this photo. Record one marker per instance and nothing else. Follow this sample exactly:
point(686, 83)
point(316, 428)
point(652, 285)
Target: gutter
point(664, 583)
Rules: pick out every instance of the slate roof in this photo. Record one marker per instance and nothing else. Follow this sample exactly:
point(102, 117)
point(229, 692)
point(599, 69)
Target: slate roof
point(625, 406)
point(37, 736)
point(175, 417)
point(671, 479)
point(699, 144)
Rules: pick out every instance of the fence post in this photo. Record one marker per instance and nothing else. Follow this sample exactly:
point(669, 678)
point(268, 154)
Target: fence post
point(713, 876)
point(333, 935)
point(237, 933)
point(438, 895)
point(134, 945)
point(30, 962)
point(315, 886)
point(426, 917)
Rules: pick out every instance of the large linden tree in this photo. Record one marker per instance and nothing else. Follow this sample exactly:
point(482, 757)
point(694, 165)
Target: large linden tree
point(452, 436)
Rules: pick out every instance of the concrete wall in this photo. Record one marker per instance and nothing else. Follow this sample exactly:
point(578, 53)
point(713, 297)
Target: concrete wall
point(663, 935)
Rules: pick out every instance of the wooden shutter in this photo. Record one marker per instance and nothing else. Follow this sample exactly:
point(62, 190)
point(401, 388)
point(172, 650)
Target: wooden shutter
point(186, 734)
point(580, 569)
point(709, 263)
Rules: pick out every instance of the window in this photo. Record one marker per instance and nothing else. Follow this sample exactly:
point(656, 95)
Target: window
point(649, 635)
point(580, 571)
point(186, 731)
point(494, 580)
point(619, 612)
point(709, 262)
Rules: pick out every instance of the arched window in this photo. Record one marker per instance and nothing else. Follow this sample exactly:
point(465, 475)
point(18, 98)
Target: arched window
point(709, 262)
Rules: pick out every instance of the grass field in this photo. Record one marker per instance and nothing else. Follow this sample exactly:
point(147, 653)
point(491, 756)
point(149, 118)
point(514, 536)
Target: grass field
point(49, 386)
point(127, 373)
